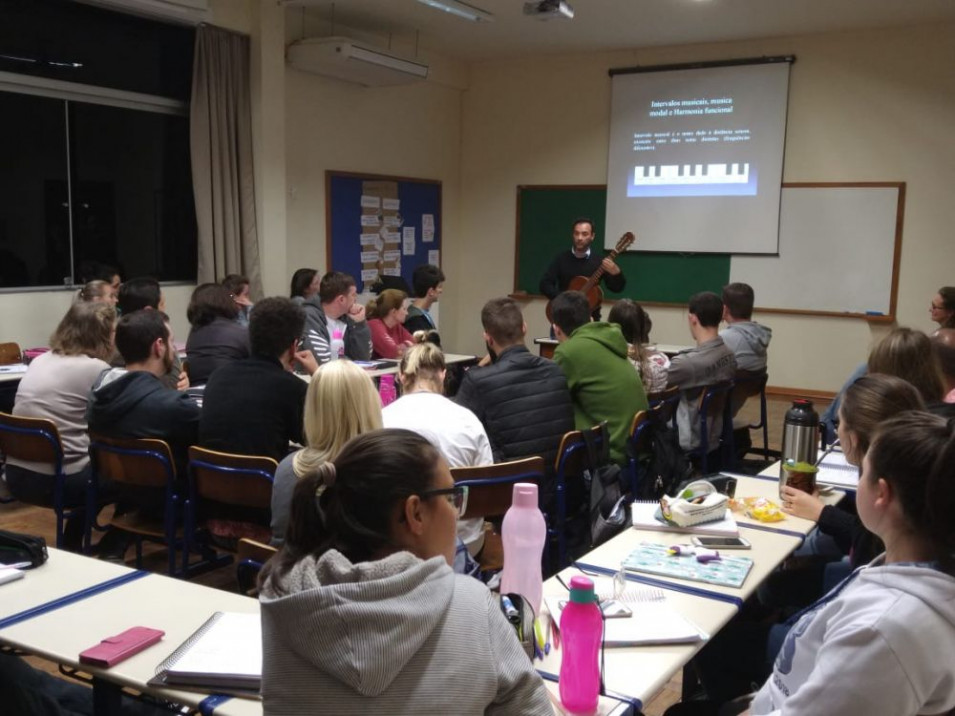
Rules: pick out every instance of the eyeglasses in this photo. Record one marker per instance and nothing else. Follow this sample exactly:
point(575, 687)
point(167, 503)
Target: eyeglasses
point(456, 496)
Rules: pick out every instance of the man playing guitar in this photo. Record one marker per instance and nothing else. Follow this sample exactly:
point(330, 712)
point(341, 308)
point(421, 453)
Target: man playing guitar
point(581, 261)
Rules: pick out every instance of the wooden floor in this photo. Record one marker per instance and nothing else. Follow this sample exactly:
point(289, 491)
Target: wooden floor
point(18, 517)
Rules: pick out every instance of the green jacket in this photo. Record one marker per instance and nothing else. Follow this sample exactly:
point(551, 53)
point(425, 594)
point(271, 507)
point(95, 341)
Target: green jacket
point(602, 382)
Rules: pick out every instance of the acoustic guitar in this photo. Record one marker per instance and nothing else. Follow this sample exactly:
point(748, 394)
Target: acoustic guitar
point(591, 286)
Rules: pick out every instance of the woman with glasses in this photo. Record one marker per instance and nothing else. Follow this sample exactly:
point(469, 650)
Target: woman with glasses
point(452, 428)
point(361, 612)
point(942, 310)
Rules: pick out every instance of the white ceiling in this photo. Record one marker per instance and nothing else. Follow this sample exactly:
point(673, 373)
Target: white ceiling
point(617, 24)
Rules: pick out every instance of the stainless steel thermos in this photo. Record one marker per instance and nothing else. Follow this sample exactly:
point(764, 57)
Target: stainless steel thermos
point(800, 435)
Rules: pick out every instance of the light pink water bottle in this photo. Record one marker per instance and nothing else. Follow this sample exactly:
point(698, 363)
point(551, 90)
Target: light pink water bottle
point(386, 390)
point(523, 533)
point(581, 629)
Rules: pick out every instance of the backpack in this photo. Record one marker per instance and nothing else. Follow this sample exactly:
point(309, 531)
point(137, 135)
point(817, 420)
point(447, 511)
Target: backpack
point(609, 505)
point(666, 467)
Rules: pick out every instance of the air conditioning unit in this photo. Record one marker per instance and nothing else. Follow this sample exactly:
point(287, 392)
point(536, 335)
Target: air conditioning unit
point(184, 12)
point(352, 61)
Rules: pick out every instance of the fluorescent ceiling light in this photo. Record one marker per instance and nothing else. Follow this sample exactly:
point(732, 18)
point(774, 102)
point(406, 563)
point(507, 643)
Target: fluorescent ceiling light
point(461, 9)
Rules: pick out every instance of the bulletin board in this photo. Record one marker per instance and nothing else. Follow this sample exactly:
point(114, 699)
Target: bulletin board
point(378, 225)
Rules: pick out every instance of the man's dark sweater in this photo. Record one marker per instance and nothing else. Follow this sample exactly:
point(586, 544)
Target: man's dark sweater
point(252, 407)
point(566, 266)
point(524, 404)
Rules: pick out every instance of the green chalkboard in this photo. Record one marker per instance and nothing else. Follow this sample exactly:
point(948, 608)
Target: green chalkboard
point(545, 216)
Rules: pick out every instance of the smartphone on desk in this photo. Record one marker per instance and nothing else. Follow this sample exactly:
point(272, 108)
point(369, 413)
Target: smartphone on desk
point(721, 542)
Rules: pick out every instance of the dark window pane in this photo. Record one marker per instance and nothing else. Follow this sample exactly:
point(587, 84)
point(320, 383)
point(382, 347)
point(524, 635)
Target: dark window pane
point(132, 191)
point(34, 218)
point(78, 43)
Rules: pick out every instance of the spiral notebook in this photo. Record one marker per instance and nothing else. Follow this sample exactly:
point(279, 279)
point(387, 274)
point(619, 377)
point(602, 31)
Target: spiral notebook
point(224, 656)
point(646, 515)
point(835, 470)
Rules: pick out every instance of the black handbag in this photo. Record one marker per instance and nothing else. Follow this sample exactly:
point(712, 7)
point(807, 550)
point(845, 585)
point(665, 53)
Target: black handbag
point(16, 548)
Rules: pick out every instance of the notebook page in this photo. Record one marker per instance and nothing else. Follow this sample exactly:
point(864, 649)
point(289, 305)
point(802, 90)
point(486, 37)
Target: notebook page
point(232, 646)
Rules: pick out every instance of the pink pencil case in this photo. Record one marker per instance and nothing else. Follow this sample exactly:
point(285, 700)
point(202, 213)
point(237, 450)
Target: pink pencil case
point(114, 649)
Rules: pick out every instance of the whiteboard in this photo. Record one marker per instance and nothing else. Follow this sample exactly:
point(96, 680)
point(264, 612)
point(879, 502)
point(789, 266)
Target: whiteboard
point(837, 251)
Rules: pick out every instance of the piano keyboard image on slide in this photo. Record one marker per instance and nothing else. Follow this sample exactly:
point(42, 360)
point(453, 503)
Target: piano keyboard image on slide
point(729, 179)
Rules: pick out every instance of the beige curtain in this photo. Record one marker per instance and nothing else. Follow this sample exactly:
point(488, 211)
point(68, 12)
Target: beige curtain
point(221, 138)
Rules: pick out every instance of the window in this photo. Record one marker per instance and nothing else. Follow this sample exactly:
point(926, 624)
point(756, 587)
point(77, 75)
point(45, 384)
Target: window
point(93, 175)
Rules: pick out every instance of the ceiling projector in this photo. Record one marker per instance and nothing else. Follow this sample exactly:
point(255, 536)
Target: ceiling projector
point(549, 10)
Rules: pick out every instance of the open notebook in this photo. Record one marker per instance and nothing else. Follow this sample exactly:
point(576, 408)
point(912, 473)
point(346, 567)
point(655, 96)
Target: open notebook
point(647, 516)
point(223, 655)
point(834, 470)
point(653, 620)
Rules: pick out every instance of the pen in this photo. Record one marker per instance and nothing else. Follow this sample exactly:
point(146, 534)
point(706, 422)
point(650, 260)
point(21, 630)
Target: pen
point(17, 565)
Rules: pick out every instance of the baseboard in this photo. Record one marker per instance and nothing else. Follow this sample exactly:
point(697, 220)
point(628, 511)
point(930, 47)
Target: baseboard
point(778, 391)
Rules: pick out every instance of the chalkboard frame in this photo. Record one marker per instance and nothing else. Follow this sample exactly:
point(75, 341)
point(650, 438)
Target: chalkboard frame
point(520, 291)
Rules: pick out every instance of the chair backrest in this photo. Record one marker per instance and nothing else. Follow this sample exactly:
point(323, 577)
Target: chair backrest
point(746, 385)
point(231, 479)
point(143, 462)
point(31, 440)
point(713, 399)
point(664, 404)
point(572, 458)
point(10, 353)
point(491, 487)
point(255, 551)
point(639, 431)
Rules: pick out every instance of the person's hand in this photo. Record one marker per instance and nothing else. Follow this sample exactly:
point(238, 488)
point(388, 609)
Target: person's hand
point(357, 313)
point(610, 267)
point(183, 383)
point(486, 360)
point(307, 361)
point(242, 300)
point(802, 504)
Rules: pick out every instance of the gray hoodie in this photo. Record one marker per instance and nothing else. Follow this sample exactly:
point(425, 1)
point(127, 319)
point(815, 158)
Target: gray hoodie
point(396, 636)
point(880, 644)
point(748, 340)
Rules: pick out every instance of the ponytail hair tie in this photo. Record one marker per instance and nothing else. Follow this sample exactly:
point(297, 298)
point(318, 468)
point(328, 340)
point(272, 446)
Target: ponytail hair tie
point(326, 473)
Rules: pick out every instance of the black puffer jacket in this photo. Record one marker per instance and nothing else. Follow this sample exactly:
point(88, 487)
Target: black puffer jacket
point(524, 404)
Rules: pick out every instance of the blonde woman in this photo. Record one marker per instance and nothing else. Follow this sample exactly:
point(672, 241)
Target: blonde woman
point(451, 428)
point(96, 292)
point(56, 387)
point(341, 403)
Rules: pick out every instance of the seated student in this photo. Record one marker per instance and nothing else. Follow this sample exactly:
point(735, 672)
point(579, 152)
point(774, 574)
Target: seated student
point(882, 643)
point(254, 406)
point(215, 338)
point(304, 285)
point(386, 317)
point(428, 284)
point(943, 307)
point(335, 325)
point(339, 389)
point(651, 365)
point(454, 430)
point(747, 339)
point(943, 342)
point(132, 402)
point(56, 387)
point(867, 403)
point(361, 612)
point(238, 286)
point(96, 291)
point(521, 399)
point(145, 294)
point(711, 361)
point(603, 384)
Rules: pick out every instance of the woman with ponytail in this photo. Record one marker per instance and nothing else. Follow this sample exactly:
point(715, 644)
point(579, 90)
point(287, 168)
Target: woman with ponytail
point(883, 641)
point(361, 612)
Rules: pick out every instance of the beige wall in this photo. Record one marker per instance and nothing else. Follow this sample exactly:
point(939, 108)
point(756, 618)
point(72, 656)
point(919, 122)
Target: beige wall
point(863, 107)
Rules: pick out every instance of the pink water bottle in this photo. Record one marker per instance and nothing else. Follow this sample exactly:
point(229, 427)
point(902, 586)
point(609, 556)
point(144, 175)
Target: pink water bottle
point(523, 533)
point(581, 629)
point(386, 390)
